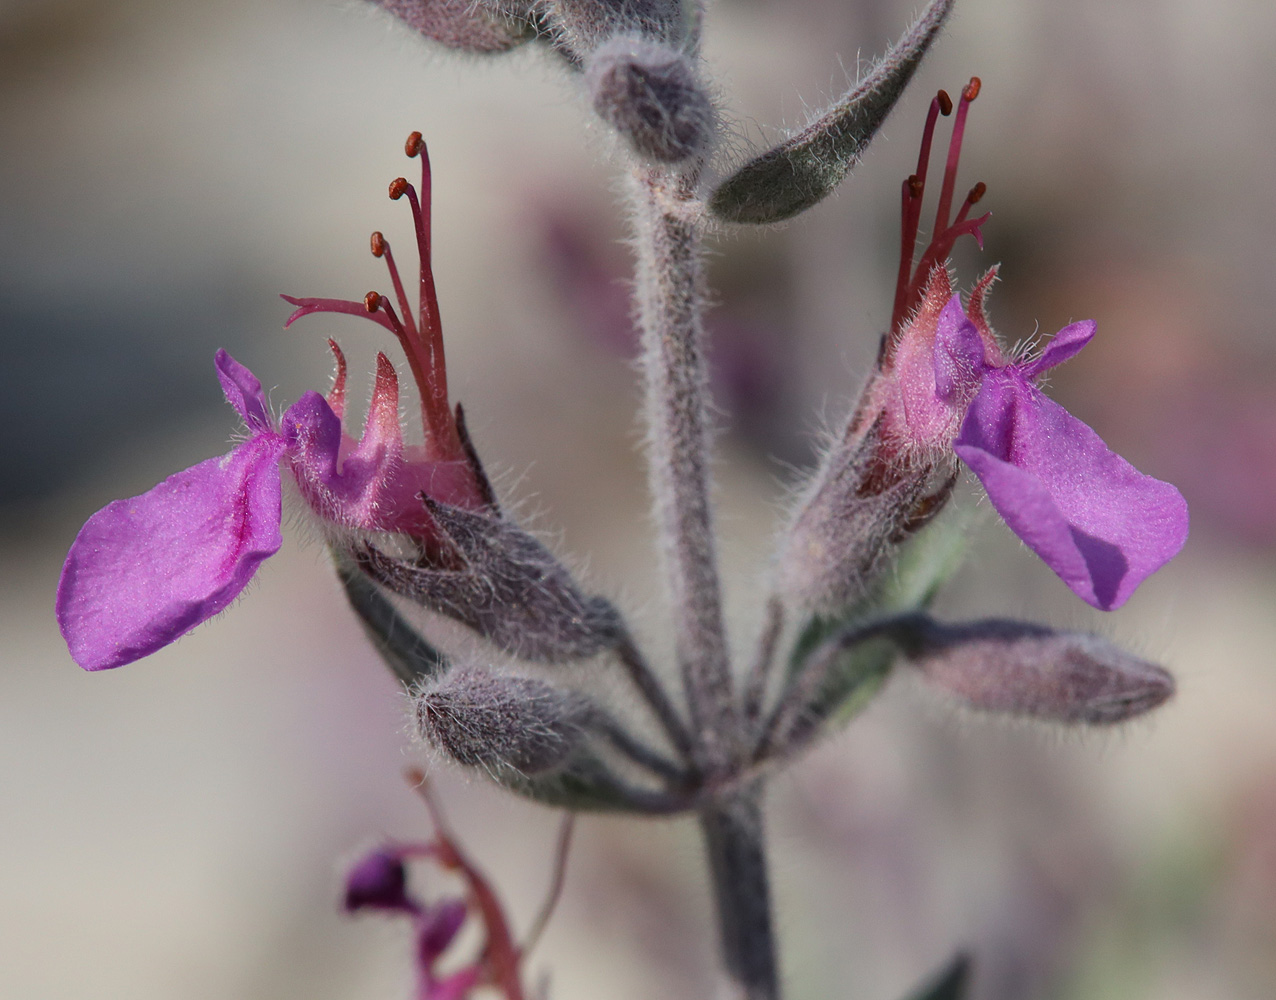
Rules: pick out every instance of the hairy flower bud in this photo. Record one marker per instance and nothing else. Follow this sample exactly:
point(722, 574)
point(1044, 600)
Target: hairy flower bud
point(497, 722)
point(650, 94)
point(581, 26)
point(500, 581)
point(380, 882)
point(1023, 669)
point(479, 26)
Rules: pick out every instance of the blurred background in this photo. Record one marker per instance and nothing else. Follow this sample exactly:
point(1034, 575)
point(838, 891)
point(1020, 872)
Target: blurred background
point(178, 829)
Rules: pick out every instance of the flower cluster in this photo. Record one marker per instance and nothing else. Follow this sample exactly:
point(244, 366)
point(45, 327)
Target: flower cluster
point(146, 570)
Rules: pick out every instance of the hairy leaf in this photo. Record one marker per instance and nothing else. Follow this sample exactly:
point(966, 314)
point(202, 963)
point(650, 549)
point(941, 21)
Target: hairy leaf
point(806, 167)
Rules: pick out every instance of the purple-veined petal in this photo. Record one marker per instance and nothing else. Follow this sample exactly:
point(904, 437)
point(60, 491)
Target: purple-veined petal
point(243, 392)
point(144, 571)
point(1063, 345)
point(1094, 519)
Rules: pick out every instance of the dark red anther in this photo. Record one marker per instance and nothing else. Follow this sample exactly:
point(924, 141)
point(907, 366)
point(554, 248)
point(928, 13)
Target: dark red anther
point(372, 302)
point(977, 192)
point(398, 188)
point(379, 245)
point(945, 103)
point(414, 145)
point(915, 186)
point(972, 88)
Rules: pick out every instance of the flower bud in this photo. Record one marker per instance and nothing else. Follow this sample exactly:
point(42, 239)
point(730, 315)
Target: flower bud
point(504, 584)
point(650, 94)
point(380, 882)
point(578, 27)
point(498, 722)
point(1023, 669)
point(479, 26)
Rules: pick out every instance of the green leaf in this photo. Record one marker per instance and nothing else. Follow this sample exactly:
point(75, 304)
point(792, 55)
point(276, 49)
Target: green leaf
point(806, 167)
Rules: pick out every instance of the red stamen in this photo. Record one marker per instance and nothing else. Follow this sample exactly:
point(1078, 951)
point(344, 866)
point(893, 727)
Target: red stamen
point(434, 396)
point(910, 282)
point(972, 199)
point(381, 248)
point(968, 94)
point(914, 190)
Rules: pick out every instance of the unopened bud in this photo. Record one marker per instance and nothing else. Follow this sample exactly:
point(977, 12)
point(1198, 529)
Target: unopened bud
point(504, 584)
point(380, 882)
point(579, 27)
point(479, 26)
point(1023, 669)
point(498, 722)
point(650, 94)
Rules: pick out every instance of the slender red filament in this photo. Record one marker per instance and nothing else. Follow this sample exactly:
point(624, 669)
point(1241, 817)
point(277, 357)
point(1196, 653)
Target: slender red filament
point(381, 248)
point(911, 281)
point(914, 188)
point(970, 92)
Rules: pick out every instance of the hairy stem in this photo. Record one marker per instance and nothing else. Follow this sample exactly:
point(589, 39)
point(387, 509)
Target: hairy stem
point(670, 302)
point(737, 865)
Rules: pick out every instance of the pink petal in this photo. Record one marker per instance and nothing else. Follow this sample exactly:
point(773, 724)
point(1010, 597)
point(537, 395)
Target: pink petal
point(1094, 519)
point(144, 571)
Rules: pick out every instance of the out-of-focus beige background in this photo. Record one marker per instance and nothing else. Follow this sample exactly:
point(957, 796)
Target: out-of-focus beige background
point(177, 829)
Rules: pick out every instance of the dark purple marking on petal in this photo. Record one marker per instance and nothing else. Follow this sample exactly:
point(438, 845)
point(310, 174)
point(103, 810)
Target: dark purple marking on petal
point(144, 571)
point(1094, 519)
point(243, 392)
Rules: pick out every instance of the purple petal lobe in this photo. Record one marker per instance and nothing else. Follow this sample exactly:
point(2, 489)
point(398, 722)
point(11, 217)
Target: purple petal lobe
point(243, 392)
point(1062, 346)
point(438, 928)
point(1094, 519)
point(959, 353)
point(144, 571)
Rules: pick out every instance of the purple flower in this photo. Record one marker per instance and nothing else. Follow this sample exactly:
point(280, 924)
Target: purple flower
point(1094, 519)
point(143, 572)
point(945, 386)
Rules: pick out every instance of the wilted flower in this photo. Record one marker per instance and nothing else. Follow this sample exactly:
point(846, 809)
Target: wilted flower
point(144, 571)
